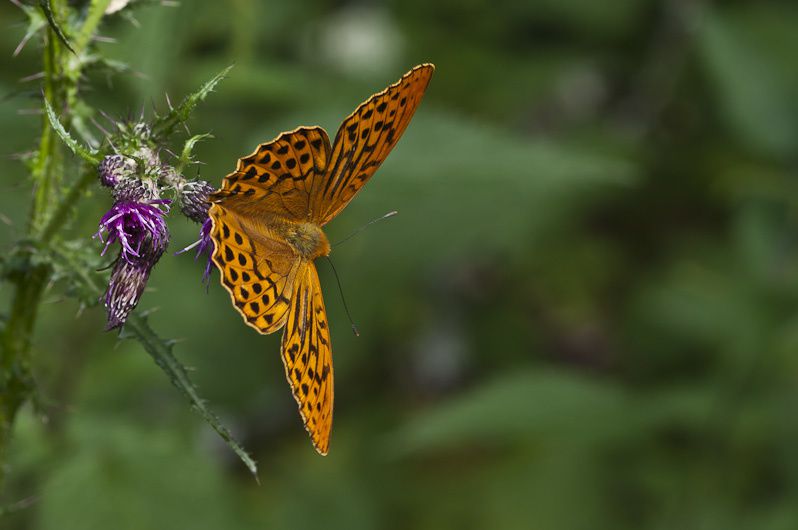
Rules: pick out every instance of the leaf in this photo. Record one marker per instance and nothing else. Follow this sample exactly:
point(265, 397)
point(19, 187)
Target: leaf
point(76, 148)
point(185, 156)
point(92, 20)
point(164, 126)
point(48, 12)
point(753, 92)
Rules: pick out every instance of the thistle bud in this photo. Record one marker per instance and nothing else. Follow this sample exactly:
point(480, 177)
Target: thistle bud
point(194, 199)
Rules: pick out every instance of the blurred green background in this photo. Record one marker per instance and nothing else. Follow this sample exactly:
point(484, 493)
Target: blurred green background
point(585, 315)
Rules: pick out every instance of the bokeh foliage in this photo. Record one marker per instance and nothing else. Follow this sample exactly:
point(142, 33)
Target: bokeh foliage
point(584, 316)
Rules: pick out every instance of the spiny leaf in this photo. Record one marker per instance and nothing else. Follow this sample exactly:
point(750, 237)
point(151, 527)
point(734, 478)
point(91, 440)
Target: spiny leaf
point(159, 349)
point(48, 12)
point(164, 126)
point(76, 148)
point(161, 352)
point(76, 263)
point(94, 16)
point(185, 156)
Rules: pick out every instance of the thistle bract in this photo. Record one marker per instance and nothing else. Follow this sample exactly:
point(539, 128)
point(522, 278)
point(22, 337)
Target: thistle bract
point(124, 289)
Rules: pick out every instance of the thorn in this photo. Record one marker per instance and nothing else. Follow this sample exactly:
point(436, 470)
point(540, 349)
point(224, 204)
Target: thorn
point(110, 119)
point(53, 301)
point(22, 43)
point(132, 20)
point(148, 312)
point(101, 38)
point(169, 102)
point(31, 77)
point(100, 127)
point(111, 143)
point(171, 153)
point(21, 504)
point(27, 155)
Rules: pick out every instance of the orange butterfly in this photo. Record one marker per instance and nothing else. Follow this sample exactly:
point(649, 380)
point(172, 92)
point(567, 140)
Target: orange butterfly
point(267, 221)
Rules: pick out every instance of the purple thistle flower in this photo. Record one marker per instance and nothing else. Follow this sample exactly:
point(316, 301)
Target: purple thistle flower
point(130, 223)
point(206, 245)
point(140, 229)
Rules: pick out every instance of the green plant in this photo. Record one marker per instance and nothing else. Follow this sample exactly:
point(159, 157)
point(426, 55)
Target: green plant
point(128, 160)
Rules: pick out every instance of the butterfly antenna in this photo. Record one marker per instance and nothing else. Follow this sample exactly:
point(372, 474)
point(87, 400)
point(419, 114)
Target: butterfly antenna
point(341, 290)
point(356, 232)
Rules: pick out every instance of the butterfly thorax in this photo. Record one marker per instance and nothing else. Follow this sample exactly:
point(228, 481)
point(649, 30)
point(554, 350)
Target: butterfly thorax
point(307, 239)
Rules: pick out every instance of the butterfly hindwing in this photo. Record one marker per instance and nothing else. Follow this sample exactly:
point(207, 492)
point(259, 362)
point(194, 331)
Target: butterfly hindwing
point(278, 177)
point(364, 140)
point(307, 356)
point(257, 271)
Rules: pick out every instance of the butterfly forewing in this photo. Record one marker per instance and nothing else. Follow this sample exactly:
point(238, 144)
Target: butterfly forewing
point(307, 355)
point(279, 176)
point(256, 270)
point(364, 140)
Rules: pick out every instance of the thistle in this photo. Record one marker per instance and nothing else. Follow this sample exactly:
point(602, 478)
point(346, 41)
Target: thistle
point(136, 221)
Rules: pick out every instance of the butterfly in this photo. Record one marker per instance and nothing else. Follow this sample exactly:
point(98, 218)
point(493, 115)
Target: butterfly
point(267, 221)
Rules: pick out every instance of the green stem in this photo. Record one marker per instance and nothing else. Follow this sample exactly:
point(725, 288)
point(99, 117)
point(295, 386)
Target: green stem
point(43, 168)
point(30, 279)
point(16, 382)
